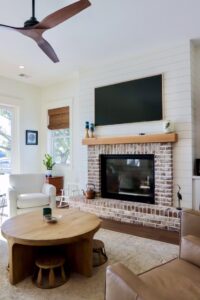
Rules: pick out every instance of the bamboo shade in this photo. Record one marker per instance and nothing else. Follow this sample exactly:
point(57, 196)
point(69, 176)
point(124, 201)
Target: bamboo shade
point(58, 118)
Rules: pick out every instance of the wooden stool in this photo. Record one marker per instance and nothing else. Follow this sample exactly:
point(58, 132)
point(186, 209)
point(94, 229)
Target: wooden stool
point(51, 271)
point(99, 253)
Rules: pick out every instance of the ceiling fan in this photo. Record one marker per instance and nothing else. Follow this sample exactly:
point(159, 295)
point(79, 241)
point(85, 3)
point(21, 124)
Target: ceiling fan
point(34, 29)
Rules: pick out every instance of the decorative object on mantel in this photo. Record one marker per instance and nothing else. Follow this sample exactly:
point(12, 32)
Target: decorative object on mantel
point(90, 192)
point(92, 130)
point(179, 197)
point(31, 137)
point(168, 126)
point(87, 125)
point(48, 163)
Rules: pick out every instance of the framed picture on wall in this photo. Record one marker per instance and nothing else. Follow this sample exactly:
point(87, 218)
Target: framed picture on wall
point(31, 137)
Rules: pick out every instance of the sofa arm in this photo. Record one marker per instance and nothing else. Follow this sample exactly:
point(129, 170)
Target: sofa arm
point(190, 249)
point(50, 190)
point(12, 201)
point(190, 223)
point(121, 283)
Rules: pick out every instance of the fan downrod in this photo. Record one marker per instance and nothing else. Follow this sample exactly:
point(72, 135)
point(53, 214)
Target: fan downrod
point(32, 21)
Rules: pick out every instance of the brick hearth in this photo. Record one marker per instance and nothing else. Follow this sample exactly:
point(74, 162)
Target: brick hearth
point(156, 216)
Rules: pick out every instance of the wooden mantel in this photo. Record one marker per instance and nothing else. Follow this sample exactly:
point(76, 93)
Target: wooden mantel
point(135, 139)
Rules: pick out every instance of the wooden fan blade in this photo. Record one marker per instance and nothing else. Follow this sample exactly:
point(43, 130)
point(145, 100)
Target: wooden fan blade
point(11, 27)
point(62, 14)
point(28, 31)
point(36, 35)
point(47, 49)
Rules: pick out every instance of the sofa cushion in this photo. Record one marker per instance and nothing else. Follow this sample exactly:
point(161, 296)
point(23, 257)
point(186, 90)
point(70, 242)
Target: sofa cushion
point(32, 200)
point(175, 280)
point(190, 249)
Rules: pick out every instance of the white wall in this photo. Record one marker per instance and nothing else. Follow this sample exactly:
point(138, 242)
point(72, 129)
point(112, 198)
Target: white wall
point(195, 79)
point(25, 99)
point(174, 63)
point(59, 95)
point(32, 104)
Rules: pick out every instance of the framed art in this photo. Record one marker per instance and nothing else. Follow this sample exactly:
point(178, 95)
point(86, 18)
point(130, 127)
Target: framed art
point(31, 137)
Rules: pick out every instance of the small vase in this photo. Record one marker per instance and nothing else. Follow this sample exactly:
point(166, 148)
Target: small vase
point(87, 129)
point(86, 133)
point(49, 173)
point(91, 130)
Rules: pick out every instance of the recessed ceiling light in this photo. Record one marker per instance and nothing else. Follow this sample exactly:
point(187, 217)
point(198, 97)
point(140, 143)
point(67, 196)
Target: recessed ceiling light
point(23, 75)
point(21, 67)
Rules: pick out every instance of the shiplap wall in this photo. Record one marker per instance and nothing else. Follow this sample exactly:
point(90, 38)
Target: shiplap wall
point(174, 63)
point(195, 88)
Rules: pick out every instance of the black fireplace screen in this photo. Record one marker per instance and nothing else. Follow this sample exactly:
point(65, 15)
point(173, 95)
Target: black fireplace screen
point(128, 177)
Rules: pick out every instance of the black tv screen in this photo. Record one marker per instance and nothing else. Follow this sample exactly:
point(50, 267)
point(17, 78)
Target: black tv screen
point(127, 102)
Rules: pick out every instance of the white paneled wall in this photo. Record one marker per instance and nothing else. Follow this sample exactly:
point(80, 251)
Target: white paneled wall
point(174, 63)
point(195, 88)
point(195, 85)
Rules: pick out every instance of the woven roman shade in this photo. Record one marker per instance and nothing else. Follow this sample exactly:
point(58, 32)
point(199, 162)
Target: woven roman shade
point(58, 118)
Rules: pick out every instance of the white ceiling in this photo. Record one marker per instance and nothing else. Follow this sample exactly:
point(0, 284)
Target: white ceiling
point(106, 31)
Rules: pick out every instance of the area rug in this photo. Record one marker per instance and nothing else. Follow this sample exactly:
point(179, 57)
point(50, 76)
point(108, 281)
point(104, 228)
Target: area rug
point(137, 253)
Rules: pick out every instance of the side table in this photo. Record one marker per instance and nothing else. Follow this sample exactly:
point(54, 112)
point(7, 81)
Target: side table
point(58, 182)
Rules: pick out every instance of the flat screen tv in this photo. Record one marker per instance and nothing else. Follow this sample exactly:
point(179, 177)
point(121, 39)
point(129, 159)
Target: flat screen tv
point(127, 102)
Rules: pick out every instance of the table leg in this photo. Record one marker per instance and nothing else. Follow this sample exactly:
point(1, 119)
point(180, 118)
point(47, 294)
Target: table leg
point(21, 262)
point(80, 257)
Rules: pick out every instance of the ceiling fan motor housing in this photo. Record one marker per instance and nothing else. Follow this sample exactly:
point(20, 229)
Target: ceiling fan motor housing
point(31, 22)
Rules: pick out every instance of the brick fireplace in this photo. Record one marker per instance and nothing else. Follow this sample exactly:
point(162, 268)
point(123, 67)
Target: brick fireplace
point(162, 214)
point(163, 166)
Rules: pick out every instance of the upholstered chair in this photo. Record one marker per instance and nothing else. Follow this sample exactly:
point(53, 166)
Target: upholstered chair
point(178, 279)
point(28, 192)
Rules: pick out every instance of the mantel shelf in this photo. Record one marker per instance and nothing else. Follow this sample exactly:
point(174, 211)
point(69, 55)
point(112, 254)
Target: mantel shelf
point(135, 139)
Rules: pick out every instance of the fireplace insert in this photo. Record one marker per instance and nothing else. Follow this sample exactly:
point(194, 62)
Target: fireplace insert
point(128, 177)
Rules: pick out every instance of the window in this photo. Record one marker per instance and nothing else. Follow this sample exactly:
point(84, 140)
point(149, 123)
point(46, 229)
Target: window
point(6, 115)
point(60, 135)
point(60, 146)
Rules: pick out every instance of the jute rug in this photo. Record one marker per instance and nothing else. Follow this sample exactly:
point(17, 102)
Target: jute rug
point(137, 253)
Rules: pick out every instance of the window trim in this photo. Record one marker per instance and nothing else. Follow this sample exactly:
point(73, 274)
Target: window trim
point(15, 146)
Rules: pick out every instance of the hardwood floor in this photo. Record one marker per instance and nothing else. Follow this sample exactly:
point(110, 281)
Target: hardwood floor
point(171, 237)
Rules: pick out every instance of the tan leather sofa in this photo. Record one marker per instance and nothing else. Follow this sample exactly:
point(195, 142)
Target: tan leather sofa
point(178, 279)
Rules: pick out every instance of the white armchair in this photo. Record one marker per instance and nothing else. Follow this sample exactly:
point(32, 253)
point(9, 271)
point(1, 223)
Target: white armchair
point(29, 191)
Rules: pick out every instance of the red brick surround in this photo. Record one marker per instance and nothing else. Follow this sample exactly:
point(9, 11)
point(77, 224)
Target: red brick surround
point(161, 215)
point(163, 166)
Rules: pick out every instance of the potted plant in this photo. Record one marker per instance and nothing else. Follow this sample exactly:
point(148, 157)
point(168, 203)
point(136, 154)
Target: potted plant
point(48, 163)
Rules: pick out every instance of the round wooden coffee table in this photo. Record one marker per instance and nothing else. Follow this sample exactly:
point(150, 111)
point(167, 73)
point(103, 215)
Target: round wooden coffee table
point(27, 233)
